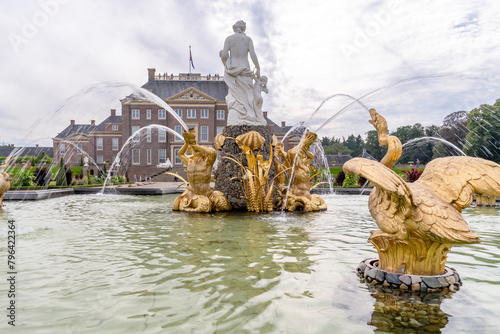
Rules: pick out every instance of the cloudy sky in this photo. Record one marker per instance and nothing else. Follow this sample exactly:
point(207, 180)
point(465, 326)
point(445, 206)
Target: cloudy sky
point(413, 61)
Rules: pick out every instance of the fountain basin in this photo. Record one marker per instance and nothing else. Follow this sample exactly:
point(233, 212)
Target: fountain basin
point(369, 272)
point(122, 263)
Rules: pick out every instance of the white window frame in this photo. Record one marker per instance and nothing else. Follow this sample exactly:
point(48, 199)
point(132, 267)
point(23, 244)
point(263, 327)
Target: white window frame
point(177, 160)
point(100, 159)
point(221, 114)
point(134, 129)
point(162, 114)
point(115, 141)
point(149, 135)
point(114, 127)
point(99, 144)
point(220, 129)
point(148, 156)
point(62, 148)
point(191, 113)
point(148, 113)
point(204, 113)
point(79, 149)
point(164, 151)
point(179, 112)
point(204, 136)
point(178, 129)
point(136, 114)
point(162, 136)
point(134, 152)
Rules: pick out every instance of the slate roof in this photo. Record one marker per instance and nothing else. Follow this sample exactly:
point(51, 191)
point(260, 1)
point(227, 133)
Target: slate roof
point(366, 155)
point(22, 151)
point(76, 128)
point(114, 119)
point(337, 159)
point(167, 88)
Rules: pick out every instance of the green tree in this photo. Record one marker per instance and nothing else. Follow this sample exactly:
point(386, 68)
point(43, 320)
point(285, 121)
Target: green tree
point(355, 144)
point(373, 147)
point(61, 175)
point(483, 138)
point(454, 128)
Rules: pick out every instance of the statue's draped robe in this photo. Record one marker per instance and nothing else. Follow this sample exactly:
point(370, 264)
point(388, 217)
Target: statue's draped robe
point(242, 108)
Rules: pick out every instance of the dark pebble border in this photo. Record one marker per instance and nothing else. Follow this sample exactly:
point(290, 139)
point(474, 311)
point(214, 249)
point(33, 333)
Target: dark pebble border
point(369, 272)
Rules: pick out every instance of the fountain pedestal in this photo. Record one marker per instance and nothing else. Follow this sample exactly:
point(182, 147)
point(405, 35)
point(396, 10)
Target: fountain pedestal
point(228, 171)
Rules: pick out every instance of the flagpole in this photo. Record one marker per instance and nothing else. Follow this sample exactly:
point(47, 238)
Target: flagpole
point(189, 62)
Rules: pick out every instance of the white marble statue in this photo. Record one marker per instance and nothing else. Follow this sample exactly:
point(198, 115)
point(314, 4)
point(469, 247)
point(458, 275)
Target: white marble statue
point(244, 105)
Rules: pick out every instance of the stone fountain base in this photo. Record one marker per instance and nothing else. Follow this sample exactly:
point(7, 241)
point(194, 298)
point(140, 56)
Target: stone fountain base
point(228, 172)
point(369, 272)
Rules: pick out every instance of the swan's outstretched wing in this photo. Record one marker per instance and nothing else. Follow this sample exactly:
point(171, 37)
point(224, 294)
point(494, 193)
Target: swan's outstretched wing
point(380, 175)
point(436, 219)
point(390, 201)
point(398, 206)
point(456, 179)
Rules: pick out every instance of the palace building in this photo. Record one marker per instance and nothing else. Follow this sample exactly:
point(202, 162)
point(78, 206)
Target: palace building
point(198, 100)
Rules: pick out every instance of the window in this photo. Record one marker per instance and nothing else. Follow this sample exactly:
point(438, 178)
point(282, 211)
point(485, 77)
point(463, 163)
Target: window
point(148, 113)
point(162, 156)
point(100, 160)
point(178, 112)
point(191, 113)
point(114, 127)
point(62, 148)
point(162, 114)
point(149, 135)
point(162, 135)
point(136, 157)
point(78, 148)
point(220, 114)
point(178, 129)
point(177, 159)
point(148, 156)
point(135, 128)
point(220, 129)
point(135, 113)
point(115, 144)
point(204, 113)
point(204, 133)
point(99, 144)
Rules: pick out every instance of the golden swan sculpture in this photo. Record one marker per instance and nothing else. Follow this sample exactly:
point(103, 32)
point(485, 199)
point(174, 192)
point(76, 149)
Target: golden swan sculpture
point(419, 222)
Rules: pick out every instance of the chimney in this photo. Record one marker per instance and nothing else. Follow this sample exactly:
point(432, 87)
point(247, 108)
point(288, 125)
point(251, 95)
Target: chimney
point(265, 114)
point(340, 154)
point(151, 74)
point(283, 124)
point(92, 122)
point(364, 150)
point(72, 122)
point(36, 145)
point(113, 112)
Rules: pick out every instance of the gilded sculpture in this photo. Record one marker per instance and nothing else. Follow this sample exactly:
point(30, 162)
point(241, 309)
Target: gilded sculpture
point(419, 222)
point(199, 195)
point(258, 189)
point(4, 182)
point(299, 197)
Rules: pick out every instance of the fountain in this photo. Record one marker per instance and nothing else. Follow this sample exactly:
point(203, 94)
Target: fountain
point(420, 222)
point(122, 263)
point(4, 182)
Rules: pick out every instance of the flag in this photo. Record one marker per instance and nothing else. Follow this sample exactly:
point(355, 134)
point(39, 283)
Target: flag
point(191, 58)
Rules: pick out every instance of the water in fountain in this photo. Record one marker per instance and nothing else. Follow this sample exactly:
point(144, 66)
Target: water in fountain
point(134, 140)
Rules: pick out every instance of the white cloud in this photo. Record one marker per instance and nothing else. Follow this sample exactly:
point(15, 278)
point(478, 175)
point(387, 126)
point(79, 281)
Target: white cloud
point(301, 46)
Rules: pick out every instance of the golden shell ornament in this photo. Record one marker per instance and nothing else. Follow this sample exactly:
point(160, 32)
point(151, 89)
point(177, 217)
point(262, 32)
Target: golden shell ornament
point(251, 139)
point(219, 141)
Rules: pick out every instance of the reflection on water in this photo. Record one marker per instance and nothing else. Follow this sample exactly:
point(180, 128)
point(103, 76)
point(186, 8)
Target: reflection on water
point(124, 264)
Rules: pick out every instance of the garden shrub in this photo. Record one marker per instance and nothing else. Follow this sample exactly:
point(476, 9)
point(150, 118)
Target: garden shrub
point(42, 176)
point(339, 179)
point(412, 175)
